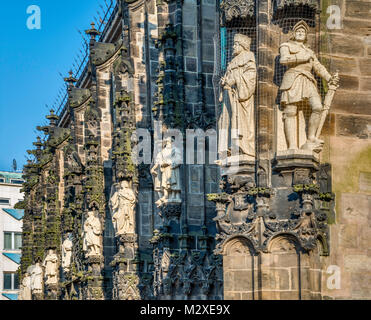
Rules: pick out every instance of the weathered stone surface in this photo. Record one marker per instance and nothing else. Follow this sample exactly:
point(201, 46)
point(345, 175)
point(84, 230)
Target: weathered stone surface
point(365, 84)
point(349, 236)
point(358, 9)
point(349, 25)
point(346, 102)
point(355, 208)
point(365, 66)
point(357, 263)
point(361, 285)
point(365, 183)
point(341, 45)
point(349, 82)
point(353, 126)
point(345, 65)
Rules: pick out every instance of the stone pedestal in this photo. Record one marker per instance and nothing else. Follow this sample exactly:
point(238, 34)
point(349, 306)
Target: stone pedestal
point(94, 278)
point(126, 266)
point(293, 167)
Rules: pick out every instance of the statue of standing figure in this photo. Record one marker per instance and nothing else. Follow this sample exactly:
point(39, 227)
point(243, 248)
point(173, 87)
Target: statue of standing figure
point(66, 254)
point(25, 288)
point(298, 85)
point(92, 235)
point(122, 202)
point(166, 173)
point(37, 279)
point(237, 121)
point(51, 267)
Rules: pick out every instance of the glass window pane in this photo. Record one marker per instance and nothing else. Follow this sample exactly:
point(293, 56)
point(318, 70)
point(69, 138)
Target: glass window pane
point(16, 181)
point(4, 201)
point(16, 281)
point(7, 240)
point(17, 241)
point(7, 281)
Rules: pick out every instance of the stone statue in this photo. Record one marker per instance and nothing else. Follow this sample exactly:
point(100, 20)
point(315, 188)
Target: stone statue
point(37, 279)
point(298, 85)
point(51, 267)
point(122, 203)
point(66, 254)
point(25, 288)
point(166, 173)
point(237, 121)
point(92, 235)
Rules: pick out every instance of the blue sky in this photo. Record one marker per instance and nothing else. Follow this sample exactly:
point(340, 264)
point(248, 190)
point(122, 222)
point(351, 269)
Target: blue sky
point(30, 62)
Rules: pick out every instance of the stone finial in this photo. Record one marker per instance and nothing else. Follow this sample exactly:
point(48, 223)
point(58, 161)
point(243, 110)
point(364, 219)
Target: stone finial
point(52, 117)
point(38, 143)
point(71, 79)
point(93, 33)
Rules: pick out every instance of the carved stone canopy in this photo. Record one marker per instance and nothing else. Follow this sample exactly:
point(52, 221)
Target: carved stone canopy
point(237, 8)
point(310, 3)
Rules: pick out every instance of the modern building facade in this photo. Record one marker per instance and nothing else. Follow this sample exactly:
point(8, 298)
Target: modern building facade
point(10, 233)
point(285, 216)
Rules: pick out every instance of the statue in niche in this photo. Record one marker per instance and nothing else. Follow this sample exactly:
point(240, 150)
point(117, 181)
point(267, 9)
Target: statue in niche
point(37, 279)
point(25, 288)
point(50, 264)
point(66, 254)
point(299, 85)
point(166, 174)
point(237, 121)
point(92, 234)
point(122, 202)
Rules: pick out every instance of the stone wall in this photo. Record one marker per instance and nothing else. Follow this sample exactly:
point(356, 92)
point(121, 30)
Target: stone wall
point(349, 133)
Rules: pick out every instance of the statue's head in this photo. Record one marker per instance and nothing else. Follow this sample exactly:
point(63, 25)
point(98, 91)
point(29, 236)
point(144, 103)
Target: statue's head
point(168, 141)
point(300, 31)
point(241, 43)
point(124, 184)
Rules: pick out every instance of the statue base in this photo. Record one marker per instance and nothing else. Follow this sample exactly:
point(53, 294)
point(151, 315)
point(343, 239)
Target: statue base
point(237, 165)
point(294, 167)
point(171, 210)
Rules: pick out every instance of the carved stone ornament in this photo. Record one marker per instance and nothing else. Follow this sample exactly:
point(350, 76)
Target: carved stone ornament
point(306, 223)
point(237, 120)
point(36, 279)
point(51, 268)
point(122, 202)
point(299, 85)
point(237, 8)
point(310, 3)
point(166, 174)
point(92, 235)
point(25, 288)
point(66, 254)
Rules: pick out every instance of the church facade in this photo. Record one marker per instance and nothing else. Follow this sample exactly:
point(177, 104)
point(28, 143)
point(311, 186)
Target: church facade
point(207, 150)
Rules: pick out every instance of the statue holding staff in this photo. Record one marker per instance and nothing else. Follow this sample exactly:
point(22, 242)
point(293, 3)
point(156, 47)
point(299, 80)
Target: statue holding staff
point(299, 85)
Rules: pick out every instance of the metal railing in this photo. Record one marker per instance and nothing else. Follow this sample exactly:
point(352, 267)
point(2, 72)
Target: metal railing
point(103, 25)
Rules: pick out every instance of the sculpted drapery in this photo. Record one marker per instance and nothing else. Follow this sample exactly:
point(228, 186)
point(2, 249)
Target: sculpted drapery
point(66, 254)
point(50, 265)
point(299, 85)
point(92, 235)
point(166, 173)
point(123, 202)
point(37, 278)
point(237, 121)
